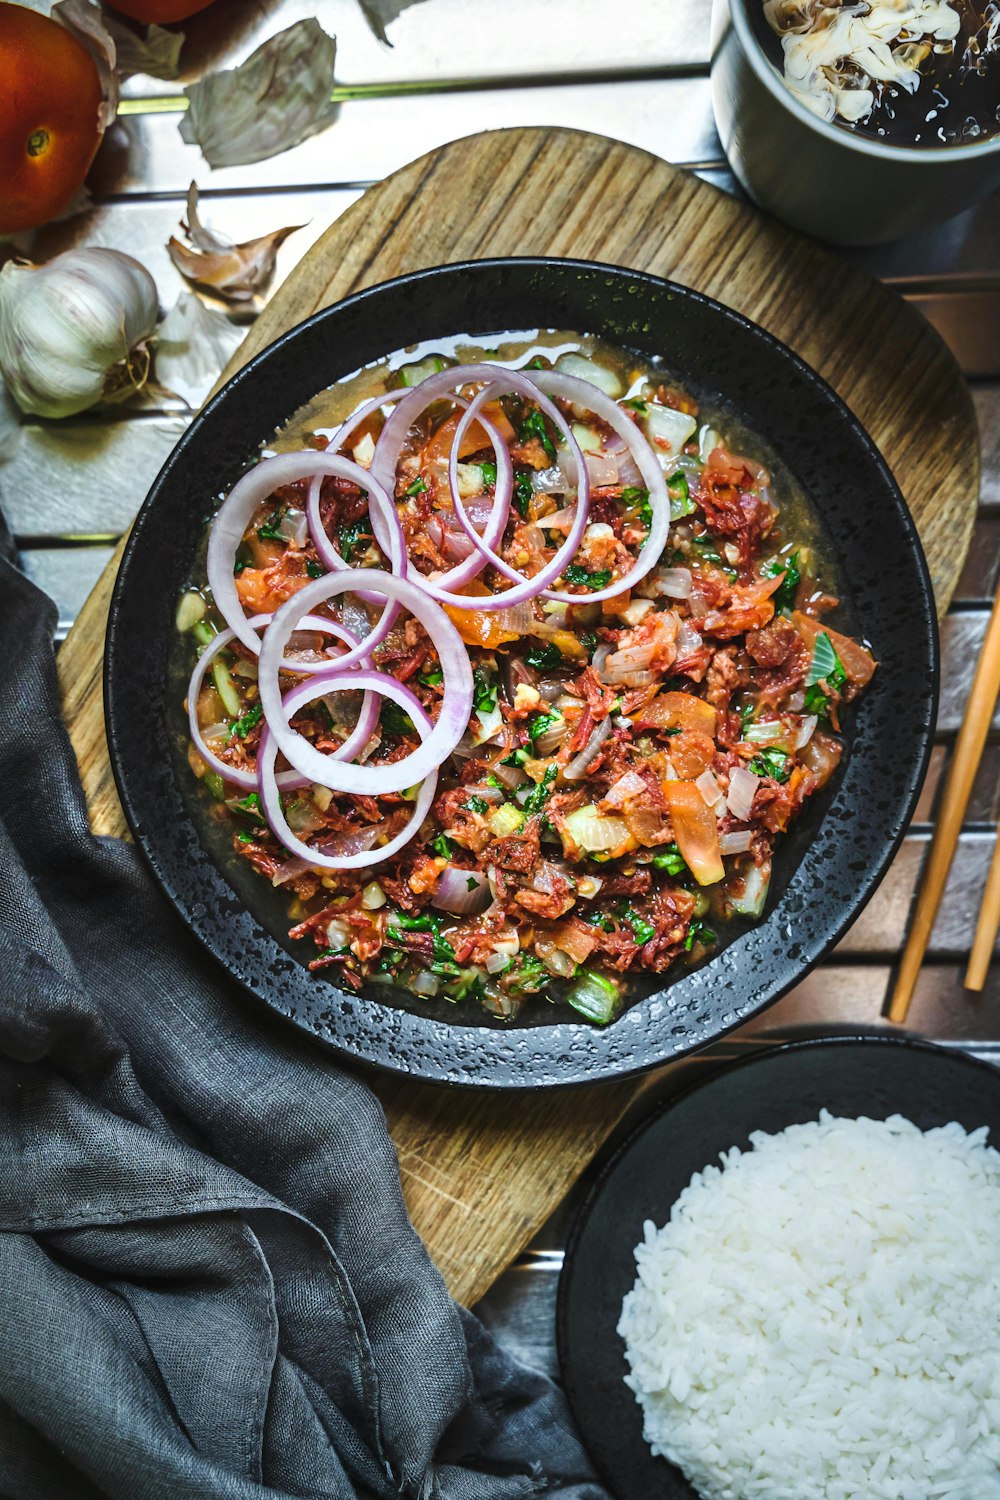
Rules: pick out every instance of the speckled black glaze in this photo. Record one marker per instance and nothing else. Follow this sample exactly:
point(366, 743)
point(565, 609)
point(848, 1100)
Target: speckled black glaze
point(850, 1076)
point(826, 869)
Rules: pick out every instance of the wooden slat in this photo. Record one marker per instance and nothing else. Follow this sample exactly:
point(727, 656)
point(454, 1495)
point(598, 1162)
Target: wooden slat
point(442, 38)
point(82, 477)
point(370, 138)
point(144, 226)
point(67, 576)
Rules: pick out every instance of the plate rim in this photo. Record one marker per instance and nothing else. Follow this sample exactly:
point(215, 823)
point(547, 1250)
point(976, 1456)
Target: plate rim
point(609, 1157)
point(510, 1072)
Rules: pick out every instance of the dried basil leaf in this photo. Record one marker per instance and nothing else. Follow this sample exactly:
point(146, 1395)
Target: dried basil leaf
point(277, 98)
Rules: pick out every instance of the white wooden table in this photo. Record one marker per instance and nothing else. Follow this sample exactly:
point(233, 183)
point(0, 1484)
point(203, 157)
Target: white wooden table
point(640, 74)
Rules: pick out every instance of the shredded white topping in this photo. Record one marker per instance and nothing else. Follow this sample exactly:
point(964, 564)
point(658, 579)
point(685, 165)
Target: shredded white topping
point(837, 55)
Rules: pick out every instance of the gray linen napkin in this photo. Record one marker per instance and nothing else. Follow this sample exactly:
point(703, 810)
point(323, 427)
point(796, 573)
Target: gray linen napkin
point(208, 1282)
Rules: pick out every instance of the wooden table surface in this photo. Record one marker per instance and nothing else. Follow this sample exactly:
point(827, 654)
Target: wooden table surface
point(458, 66)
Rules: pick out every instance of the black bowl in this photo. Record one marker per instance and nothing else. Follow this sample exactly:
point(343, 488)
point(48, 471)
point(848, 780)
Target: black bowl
point(827, 867)
point(852, 1076)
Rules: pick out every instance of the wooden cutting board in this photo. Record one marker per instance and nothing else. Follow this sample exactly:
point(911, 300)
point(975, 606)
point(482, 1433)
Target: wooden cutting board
point(482, 1172)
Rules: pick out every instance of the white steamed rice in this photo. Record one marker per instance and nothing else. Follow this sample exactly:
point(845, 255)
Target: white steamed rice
point(820, 1319)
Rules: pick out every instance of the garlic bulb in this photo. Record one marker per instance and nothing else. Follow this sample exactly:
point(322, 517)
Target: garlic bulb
point(73, 332)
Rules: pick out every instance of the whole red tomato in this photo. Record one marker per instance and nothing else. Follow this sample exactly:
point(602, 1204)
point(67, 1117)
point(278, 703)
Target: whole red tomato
point(49, 98)
point(160, 11)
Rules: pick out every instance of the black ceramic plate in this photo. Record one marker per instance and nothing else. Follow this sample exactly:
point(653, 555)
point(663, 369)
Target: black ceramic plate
point(826, 869)
point(874, 1076)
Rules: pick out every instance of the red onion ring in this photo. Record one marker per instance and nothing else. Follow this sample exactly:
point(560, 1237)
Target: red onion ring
point(256, 485)
point(286, 780)
point(469, 567)
point(456, 703)
point(581, 393)
point(524, 588)
point(394, 434)
point(305, 692)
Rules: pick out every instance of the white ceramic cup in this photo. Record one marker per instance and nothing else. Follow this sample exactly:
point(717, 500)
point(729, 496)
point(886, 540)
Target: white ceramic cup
point(830, 182)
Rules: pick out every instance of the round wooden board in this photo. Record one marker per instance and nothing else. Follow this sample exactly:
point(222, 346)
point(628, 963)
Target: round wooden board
point(481, 1173)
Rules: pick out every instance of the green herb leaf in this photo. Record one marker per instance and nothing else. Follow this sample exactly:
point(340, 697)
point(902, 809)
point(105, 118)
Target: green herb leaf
point(431, 678)
point(816, 702)
point(537, 363)
point(699, 933)
point(638, 499)
point(541, 722)
point(269, 531)
point(775, 763)
point(472, 884)
point(418, 487)
point(642, 929)
point(489, 473)
point(826, 665)
point(395, 720)
point(477, 804)
point(636, 405)
point(589, 641)
point(516, 757)
point(241, 727)
point(784, 597)
point(577, 574)
point(523, 492)
point(536, 800)
point(534, 426)
point(249, 806)
point(484, 692)
point(545, 658)
point(351, 535)
point(444, 846)
point(314, 569)
point(679, 491)
point(529, 975)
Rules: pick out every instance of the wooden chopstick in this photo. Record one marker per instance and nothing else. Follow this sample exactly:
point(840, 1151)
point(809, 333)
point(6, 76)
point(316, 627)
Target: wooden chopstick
point(986, 927)
point(955, 799)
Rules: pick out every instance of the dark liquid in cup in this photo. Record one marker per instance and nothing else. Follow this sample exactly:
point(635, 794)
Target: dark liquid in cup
point(957, 101)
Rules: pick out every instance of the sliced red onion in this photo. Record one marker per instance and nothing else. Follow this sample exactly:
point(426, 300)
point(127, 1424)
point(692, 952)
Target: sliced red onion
point(257, 485)
point(390, 444)
point(290, 870)
point(737, 842)
point(743, 786)
point(576, 770)
point(675, 583)
point(629, 785)
point(807, 731)
point(287, 780)
point(461, 892)
point(602, 468)
point(709, 788)
point(570, 388)
point(522, 588)
point(688, 640)
point(358, 842)
point(294, 527)
point(456, 704)
point(270, 799)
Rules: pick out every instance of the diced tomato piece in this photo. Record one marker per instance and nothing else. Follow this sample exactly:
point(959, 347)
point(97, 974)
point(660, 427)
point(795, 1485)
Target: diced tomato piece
point(696, 831)
point(680, 711)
